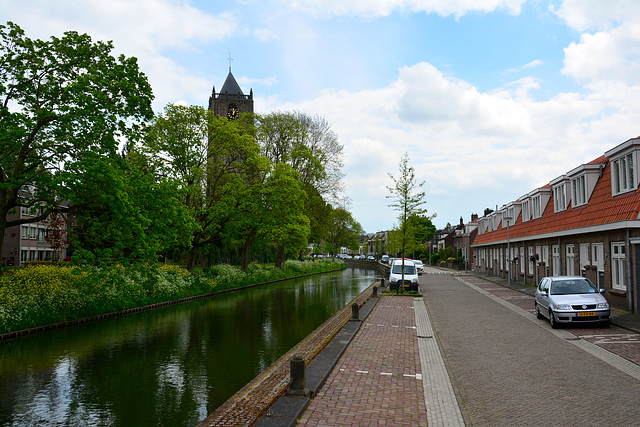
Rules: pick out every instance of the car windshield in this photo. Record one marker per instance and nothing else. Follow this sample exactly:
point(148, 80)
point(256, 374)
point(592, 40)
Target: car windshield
point(408, 269)
point(574, 286)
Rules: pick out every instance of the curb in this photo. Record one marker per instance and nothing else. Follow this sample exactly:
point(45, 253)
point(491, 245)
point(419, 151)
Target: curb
point(287, 410)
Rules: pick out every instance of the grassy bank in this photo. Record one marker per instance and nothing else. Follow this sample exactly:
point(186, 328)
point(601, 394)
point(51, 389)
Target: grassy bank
point(42, 295)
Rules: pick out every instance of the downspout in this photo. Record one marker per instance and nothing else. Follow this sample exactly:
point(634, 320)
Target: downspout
point(629, 286)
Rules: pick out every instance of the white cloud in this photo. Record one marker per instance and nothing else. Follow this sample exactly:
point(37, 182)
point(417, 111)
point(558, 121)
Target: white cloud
point(474, 149)
point(612, 51)
point(143, 29)
point(583, 15)
point(377, 8)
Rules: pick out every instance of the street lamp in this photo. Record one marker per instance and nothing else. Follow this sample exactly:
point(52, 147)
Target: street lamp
point(508, 219)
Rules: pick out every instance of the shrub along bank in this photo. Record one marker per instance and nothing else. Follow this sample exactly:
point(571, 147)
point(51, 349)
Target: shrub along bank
point(42, 295)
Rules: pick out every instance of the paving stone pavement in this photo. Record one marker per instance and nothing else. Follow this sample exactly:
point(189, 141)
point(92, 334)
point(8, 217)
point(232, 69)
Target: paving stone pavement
point(510, 368)
point(378, 380)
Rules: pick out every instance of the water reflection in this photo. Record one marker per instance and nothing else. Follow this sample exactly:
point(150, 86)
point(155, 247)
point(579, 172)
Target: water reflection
point(166, 367)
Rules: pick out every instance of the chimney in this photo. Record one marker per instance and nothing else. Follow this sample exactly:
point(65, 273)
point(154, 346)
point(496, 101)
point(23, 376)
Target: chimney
point(474, 216)
point(488, 211)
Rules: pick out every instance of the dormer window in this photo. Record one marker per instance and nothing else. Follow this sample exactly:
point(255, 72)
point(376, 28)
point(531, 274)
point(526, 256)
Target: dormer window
point(623, 177)
point(579, 187)
point(526, 211)
point(623, 160)
point(583, 180)
point(536, 206)
point(560, 199)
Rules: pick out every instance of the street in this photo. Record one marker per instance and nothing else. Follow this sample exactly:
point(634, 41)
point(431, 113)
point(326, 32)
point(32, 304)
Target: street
point(509, 368)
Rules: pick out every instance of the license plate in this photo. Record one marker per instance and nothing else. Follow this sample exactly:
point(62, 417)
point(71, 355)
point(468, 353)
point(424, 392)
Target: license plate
point(586, 314)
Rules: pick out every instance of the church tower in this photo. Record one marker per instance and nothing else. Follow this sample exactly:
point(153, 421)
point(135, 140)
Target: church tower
point(230, 102)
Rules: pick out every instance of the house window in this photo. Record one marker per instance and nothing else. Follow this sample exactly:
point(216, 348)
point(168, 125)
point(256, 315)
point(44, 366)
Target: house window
point(571, 251)
point(555, 255)
point(24, 255)
point(559, 198)
point(33, 232)
point(579, 190)
point(526, 212)
point(24, 232)
point(530, 257)
point(623, 174)
point(536, 207)
point(41, 234)
point(618, 256)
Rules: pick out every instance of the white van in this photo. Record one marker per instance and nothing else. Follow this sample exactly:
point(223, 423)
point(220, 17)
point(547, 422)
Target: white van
point(410, 275)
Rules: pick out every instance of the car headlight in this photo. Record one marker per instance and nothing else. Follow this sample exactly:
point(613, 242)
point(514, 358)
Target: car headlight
point(563, 307)
point(603, 305)
point(414, 280)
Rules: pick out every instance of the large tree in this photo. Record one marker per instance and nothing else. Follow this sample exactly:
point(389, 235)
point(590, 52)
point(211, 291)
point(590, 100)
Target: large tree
point(122, 213)
point(284, 224)
point(309, 146)
point(213, 159)
point(61, 99)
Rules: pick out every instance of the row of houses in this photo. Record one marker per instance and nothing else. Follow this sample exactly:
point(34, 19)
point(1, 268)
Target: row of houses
point(584, 222)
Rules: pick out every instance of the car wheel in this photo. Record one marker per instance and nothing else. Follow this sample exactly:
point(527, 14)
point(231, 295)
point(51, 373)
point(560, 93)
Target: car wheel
point(552, 320)
point(538, 314)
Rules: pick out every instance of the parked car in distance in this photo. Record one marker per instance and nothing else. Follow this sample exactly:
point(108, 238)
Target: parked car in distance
point(571, 299)
point(419, 266)
point(410, 275)
point(371, 258)
point(385, 259)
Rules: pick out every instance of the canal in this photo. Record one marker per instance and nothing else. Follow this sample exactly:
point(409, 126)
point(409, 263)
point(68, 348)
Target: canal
point(166, 367)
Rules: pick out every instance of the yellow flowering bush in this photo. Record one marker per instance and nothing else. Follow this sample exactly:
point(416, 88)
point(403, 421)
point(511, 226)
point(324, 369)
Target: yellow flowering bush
point(45, 294)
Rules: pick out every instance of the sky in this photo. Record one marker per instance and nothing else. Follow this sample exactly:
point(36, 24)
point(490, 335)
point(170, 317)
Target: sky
point(490, 99)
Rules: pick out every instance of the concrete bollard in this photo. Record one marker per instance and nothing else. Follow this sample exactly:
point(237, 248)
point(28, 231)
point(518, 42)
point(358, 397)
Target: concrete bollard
point(375, 292)
point(355, 311)
point(298, 385)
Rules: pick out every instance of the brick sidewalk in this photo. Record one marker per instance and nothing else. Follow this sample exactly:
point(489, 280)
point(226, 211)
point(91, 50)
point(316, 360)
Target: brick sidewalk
point(378, 380)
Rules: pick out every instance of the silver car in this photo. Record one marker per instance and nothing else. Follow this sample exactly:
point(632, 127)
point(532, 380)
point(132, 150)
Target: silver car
point(569, 299)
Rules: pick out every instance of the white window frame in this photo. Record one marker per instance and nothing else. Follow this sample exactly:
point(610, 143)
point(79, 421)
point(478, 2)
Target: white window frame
point(526, 211)
point(536, 206)
point(579, 187)
point(623, 175)
point(555, 255)
point(618, 266)
point(560, 198)
point(33, 233)
point(24, 232)
point(570, 251)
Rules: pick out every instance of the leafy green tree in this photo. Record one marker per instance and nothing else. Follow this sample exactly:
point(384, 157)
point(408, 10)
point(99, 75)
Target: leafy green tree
point(420, 231)
point(213, 159)
point(121, 214)
point(406, 200)
point(310, 147)
point(343, 230)
point(284, 223)
point(65, 98)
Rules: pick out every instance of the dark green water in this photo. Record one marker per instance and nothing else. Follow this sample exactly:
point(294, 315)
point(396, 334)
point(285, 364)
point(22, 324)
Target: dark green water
point(167, 367)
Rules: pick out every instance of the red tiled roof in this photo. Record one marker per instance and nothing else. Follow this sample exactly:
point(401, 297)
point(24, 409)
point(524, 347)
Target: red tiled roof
point(602, 208)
